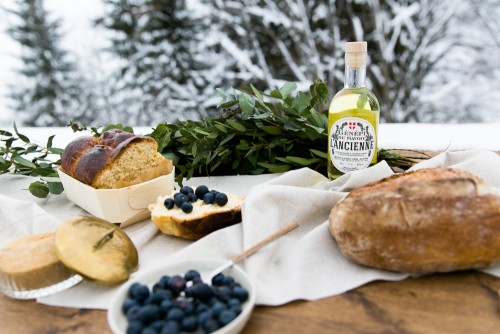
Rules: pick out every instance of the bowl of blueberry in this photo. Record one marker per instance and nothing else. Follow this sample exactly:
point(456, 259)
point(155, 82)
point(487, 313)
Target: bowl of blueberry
point(173, 298)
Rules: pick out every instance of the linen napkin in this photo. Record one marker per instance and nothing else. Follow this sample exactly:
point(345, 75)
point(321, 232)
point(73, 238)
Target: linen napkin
point(303, 264)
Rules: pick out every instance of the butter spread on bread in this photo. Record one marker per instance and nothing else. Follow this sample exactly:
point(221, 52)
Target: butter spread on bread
point(116, 159)
point(202, 220)
point(429, 220)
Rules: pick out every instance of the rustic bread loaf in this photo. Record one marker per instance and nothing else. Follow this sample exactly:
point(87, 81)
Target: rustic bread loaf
point(430, 220)
point(116, 159)
point(204, 219)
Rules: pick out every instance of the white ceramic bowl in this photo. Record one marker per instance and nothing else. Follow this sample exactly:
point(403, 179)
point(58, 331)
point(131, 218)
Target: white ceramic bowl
point(118, 322)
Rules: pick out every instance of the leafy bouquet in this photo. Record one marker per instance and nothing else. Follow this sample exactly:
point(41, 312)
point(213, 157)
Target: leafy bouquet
point(256, 133)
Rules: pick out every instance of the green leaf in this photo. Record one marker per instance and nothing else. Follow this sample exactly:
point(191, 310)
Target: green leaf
point(257, 92)
point(237, 126)
point(287, 88)
point(272, 130)
point(273, 168)
point(55, 188)
point(300, 102)
point(39, 189)
point(19, 159)
point(226, 139)
point(246, 104)
point(194, 149)
point(228, 104)
point(221, 127)
point(55, 150)
point(200, 131)
point(276, 94)
point(320, 154)
point(300, 161)
point(22, 137)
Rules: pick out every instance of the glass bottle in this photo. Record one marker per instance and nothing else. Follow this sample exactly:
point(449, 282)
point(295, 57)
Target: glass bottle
point(353, 118)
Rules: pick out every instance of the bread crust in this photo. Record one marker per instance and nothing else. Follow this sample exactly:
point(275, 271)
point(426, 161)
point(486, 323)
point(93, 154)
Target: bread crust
point(430, 220)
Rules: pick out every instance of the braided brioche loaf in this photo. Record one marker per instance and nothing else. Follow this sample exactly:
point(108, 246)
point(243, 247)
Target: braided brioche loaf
point(114, 160)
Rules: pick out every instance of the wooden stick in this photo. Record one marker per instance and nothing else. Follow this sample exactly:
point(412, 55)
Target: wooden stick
point(262, 243)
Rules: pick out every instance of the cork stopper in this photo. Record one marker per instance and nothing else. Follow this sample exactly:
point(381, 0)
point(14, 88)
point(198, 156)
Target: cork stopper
point(355, 55)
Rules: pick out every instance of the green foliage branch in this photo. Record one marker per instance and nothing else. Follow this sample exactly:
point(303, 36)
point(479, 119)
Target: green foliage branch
point(256, 133)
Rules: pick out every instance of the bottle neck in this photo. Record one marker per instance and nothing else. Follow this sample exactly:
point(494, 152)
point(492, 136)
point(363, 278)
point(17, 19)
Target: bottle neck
point(355, 76)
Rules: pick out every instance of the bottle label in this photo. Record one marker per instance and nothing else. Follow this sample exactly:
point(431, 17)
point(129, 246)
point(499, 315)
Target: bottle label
point(351, 144)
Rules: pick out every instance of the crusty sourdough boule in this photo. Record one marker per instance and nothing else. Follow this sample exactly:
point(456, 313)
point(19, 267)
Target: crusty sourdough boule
point(429, 220)
point(116, 159)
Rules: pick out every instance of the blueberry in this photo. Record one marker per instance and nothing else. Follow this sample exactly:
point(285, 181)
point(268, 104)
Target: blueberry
point(201, 191)
point(218, 279)
point(228, 281)
point(157, 325)
point(133, 313)
point(128, 303)
point(202, 291)
point(177, 284)
point(239, 293)
point(186, 306)
point(202, 307)
point(187, 207)
point(191, 274)
point(170, 327)
point(138, 292)
point(148, 314)
point(189, 324)
point(175, 314)
point(210, 325)
point(192, 197)
point(226, 316)
point(224, 293)
point(162, 282)
point(208, 198)
point(204, 316)
point(186, 190)
point(221, 199)
point(157, 297)
point(149, 330)
point(166, 306)
point(234, 302)
point(180, 199)
point(134, 327)
point(217, 308)
point(169, 203)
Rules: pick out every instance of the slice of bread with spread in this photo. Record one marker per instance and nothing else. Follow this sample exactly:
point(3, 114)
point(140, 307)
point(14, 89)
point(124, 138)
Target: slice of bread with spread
point(201, 220)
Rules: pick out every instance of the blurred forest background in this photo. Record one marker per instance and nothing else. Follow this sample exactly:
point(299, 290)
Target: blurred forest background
point(429, 61)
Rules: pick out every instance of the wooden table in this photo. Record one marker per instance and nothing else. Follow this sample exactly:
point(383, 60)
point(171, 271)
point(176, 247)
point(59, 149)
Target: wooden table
point(462, 302)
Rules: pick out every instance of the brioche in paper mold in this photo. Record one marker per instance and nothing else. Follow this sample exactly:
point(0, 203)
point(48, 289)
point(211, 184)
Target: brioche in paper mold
point(114, 160)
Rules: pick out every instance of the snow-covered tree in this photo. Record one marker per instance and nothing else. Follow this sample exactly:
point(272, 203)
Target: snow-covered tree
point(167, 72)
point(269, 42)
point(49, 90)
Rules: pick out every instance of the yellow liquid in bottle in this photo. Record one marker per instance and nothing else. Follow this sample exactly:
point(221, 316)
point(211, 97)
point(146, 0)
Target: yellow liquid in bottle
point(353, 120)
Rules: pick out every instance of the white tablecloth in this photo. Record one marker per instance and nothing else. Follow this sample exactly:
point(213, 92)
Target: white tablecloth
point(304, 264)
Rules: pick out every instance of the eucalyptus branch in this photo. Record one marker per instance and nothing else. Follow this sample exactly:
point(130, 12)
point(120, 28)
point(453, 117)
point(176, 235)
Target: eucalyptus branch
point(256, 133)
